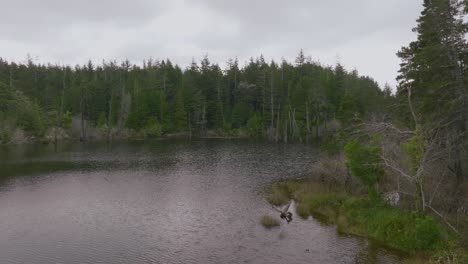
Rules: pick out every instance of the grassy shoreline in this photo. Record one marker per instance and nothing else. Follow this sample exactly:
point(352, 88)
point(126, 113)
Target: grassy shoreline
point(418, 236)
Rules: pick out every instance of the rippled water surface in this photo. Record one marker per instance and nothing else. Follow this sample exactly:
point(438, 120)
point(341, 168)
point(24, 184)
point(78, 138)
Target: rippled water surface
point(160, 202)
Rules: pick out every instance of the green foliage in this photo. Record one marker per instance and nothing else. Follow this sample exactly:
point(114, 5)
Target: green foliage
point(240, 114)
point(102, 120)
point(180, 114)
point(288, 100)
point(348, 111)
point(334, 144)
point(135, 121)
point(303, 210)
point(255, 126)
point(441, 41)
point(281, 193)
point(405, 231)
point(153, 128)
point(7, 99)
point(31, 118)
point(409, 232)
point(364, 162)
point(415, 148)
point(26, 114)
point(5, 131)
point(322, 205)
point(67, 119)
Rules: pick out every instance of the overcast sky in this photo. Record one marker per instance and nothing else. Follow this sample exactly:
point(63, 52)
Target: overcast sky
point(361, 34)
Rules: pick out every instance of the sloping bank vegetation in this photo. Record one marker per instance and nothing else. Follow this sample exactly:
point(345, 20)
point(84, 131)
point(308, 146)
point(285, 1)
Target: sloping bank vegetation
point(421, 237)
point(406, 231)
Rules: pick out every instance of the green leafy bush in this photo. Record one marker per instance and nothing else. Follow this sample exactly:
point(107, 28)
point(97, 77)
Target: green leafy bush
point(334, 144)
point(406, 231)
point(364, 163)
point(153, 128)
point(415, 148)
point(30, 118)
point(255, 126)
point(102, 120)
point(67, 119)
point(5, 135)
point(240, 114)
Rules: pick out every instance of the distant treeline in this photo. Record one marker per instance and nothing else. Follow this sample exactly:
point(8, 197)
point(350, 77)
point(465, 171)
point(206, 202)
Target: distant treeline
point(279, 101)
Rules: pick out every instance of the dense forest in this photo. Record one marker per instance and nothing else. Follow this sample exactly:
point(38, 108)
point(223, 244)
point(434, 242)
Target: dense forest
point(278, 101)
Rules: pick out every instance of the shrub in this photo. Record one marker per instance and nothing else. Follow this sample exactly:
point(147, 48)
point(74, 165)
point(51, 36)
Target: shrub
point(405, 231)
point(282, 193)
point(102, 120)
point(255, 126)
point(277, 198)
point(415, 148)
point(5, 135)
point(303, 210)
point(67, 120)
point(30, 118)
point(333, 144)
point(153, 128)
point(364, 163)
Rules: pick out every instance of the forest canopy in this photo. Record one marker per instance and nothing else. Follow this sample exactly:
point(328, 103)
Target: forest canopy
point(279, 101)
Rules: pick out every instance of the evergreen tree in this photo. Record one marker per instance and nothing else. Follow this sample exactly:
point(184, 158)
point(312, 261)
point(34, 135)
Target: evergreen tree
point(432, 78)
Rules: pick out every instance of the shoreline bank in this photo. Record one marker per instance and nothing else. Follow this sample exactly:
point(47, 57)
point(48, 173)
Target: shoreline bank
point(419, 238)
point(19, 137)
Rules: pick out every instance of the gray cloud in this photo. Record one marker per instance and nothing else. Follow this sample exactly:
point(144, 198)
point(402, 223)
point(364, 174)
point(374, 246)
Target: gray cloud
point(364, 33)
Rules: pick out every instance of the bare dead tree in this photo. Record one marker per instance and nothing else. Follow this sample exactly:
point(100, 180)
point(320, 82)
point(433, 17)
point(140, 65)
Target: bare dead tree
point(422, 179)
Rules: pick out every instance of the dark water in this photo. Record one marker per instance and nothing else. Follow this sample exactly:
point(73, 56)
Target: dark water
point(160, 202)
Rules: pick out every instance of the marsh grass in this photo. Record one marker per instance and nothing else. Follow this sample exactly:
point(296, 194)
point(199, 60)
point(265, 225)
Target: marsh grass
point(281, 193)
point(269, 222)
point(408, 232)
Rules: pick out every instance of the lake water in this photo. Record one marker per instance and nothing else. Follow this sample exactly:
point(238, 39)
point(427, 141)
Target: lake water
point(160, 202)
